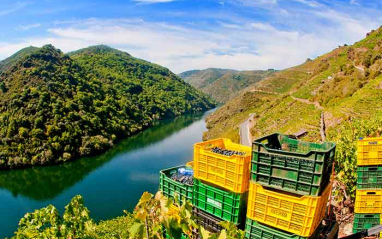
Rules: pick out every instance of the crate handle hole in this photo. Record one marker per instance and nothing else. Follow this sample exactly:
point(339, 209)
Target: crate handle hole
point(370, 193)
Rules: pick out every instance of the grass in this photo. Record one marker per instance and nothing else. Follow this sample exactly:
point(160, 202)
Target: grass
point(288, 117)
point(224, 124)
point(364, 103)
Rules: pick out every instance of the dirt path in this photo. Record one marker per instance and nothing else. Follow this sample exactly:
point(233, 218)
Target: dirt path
point(322, 127)
point(359, 68)
point(264, 91)
point(305, 101)
point(322, 120)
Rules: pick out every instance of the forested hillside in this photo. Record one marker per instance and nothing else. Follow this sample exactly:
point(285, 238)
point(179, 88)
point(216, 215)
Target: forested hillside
point(56, 107)
point(223, 84)
point(343, 89)
point(8, 63)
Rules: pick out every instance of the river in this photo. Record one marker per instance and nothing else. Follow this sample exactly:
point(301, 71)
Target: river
point(110, 182)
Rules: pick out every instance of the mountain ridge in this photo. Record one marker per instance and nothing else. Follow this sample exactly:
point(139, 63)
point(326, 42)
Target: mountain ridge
point(223, 84)
point(55, 107)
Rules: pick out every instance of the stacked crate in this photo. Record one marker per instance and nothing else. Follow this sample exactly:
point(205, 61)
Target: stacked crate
point(289, 188)
point(368, 202)
point(172, 188)
point(220, 183)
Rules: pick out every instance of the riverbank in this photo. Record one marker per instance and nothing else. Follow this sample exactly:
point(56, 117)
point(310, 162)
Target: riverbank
point(109, 183)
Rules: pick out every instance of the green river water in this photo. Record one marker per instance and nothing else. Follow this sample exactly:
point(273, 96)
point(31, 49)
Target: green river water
point(110, 182)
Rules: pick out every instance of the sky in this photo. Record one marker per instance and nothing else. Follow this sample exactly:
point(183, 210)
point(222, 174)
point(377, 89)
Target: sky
point(192, 34)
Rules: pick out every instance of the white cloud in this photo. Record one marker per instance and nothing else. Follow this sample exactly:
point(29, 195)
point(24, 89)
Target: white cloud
point(309, 3)
point(257, 2)
point(241, 44)
point(351, 27)
point(153, 1)
point(15, 8)
point(262, 26)
point(27, 27)
point(230, 25)
point(266, 4)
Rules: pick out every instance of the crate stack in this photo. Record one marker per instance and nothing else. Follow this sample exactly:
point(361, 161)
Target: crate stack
point(172, 183)
point(368, 202)
point(177, 182)
point(221, 178)
point(289, 187)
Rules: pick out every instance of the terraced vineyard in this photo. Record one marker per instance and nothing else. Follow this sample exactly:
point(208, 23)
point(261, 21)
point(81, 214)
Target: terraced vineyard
point(343, 89)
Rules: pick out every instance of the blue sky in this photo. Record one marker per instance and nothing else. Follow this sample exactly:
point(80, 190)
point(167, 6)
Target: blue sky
point(192, 34)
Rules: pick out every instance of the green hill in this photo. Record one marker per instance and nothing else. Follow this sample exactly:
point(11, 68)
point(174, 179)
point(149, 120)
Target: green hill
point(6, 64)
point(223, 84)
point(342, 84)
point(201, 78)
point(56, 107)
point(342, 88)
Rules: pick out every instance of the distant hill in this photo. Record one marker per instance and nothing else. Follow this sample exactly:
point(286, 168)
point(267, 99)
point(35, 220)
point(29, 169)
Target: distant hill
point(202, 78)
point(55, 107)
point(223, 84)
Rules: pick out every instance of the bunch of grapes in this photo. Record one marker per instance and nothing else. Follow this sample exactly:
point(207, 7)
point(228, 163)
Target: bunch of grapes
point(185, 179)
point(226, 152)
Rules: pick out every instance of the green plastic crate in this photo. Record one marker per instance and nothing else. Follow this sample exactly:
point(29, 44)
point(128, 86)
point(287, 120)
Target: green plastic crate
point(369, 177)
point(291, 165)
point(171, 187)
point(255, 230)
point(206, 220)
point(365, 221)
point(226, 205)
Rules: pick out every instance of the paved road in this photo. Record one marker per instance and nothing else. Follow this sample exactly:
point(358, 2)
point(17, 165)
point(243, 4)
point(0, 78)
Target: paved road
point(245, 134)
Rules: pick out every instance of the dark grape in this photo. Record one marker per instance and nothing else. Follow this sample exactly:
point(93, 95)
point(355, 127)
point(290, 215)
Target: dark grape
point(226, 152)
point(185, 179)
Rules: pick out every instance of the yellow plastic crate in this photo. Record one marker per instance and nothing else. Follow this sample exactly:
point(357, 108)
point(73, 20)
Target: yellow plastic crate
point(190, 164)
point(229, 172)
point(368, 201)
point(369, 151)
point(297, 214)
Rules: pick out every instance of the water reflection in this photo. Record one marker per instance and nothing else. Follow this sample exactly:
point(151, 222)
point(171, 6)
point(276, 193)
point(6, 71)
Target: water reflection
point(43, 183)
point(109, 183)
